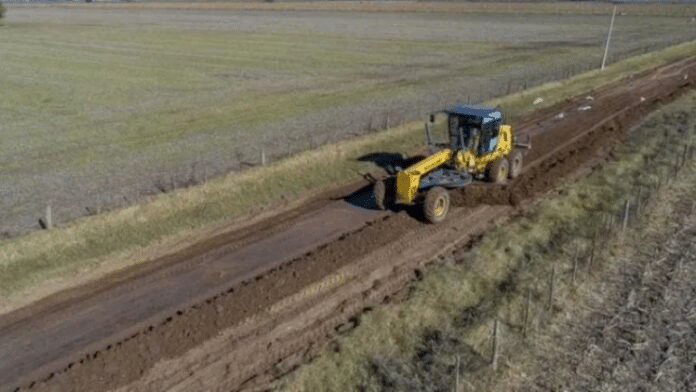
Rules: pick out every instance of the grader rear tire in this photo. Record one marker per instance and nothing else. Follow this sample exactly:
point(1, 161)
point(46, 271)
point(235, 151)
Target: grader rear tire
point(515, 164)
point(436, 204)
point(498, 171)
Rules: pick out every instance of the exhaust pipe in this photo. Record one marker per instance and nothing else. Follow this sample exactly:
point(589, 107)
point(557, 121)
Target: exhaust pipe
point(428, 134)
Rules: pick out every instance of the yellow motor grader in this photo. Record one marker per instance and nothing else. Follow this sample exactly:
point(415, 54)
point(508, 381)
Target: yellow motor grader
point(480, 147)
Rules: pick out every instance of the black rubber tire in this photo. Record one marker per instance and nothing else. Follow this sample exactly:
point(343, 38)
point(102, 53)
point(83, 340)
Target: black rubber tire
point(436, 204)
point(515, 164)
point(498, 171)
point(379, 192)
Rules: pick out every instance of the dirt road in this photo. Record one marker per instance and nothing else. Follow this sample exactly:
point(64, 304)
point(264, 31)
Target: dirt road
point(238, 309)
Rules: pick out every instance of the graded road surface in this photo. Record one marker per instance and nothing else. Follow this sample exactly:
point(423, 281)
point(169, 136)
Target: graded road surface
point(235, 310)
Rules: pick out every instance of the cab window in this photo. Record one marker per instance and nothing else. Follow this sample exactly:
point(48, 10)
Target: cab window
point(489, 140)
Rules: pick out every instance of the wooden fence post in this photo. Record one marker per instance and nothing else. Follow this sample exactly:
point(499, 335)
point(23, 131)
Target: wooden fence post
point(611, 222)
point(575, 264)
point(496, 345)
point(551, 287)
point(49, 217)
point(263, 156)
point(456, 385)
point(625, 217)
point(591, 259)
point(525, 320)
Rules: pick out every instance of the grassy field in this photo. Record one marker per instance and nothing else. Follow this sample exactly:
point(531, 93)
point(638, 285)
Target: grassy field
point(414, 345)
point(515, 6)
point(113, 240)
point(102, 107)
point(83, 134)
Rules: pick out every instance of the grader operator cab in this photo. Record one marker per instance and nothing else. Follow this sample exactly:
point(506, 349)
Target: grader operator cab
point(479, 147)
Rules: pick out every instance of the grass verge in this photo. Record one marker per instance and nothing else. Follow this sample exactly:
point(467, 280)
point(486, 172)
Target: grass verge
point(414, 345)
point(170, 219)
point(629, 327)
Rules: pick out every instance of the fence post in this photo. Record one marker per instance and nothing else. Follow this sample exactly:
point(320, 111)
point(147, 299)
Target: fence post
point(495, 345)
point(575, 264)
point(456, 385)
point(525, 321)
point(591, 259)
point(551, 287)
point(263, 156)
point(611, 222)
point(625, 217)
point(49, 218)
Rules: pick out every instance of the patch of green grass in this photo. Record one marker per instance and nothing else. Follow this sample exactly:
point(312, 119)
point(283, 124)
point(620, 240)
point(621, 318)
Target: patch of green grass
point(549, 232)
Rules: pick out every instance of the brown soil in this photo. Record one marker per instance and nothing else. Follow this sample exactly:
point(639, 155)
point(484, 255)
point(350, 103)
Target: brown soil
point(237, 310)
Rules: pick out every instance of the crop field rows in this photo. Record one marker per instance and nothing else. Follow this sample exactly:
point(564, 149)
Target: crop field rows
point(103, 107)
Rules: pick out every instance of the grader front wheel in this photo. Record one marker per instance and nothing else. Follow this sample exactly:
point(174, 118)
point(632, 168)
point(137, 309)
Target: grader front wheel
point(436, 204)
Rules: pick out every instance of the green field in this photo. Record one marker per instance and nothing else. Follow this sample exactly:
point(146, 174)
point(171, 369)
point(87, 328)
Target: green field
point(102, 107)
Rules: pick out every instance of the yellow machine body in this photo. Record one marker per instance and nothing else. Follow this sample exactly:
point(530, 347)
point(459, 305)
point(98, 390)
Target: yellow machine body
point(407, 180)
point(467, 158)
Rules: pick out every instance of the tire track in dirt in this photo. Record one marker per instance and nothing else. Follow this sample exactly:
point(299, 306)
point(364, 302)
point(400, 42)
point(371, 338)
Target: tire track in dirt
point(184, 350)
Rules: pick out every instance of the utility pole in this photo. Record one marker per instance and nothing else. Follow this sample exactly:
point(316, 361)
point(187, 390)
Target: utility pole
point(611, 27)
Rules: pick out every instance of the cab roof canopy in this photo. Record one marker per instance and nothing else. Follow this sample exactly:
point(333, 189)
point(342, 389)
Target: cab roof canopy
point(475, 113)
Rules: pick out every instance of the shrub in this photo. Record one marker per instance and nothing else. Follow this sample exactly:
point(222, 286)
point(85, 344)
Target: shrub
point(2, 10)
